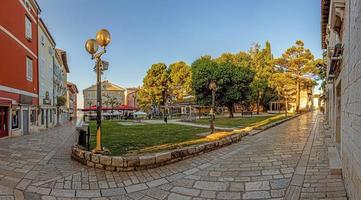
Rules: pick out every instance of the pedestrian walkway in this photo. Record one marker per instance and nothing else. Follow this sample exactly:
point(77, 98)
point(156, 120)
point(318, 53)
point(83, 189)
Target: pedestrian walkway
point(288, 161)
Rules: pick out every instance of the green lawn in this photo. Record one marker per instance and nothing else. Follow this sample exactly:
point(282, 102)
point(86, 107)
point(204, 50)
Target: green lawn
point(242, 121)
point(120, 139)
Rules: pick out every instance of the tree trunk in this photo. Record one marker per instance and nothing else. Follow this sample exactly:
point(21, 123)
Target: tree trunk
point(230, 109)
point(286, 106)
point(298, 94)
point(258, 102)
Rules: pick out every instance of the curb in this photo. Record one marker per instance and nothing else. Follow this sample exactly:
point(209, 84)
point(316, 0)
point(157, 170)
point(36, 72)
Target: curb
point(134, 163)
point(271, 125)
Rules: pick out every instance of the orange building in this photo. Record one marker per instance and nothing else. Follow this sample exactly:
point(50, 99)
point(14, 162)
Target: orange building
point(19, 66)
point(131, 97)
point(71, 100)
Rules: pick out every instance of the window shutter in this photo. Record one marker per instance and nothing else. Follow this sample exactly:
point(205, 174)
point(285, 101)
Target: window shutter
point(28, 31)
point(29, 69)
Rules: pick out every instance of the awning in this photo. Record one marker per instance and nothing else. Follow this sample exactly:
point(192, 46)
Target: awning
point(6, 102)
point(121, 107)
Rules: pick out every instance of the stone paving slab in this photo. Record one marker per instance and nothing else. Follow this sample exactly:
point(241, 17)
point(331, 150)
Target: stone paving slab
point(288, 161)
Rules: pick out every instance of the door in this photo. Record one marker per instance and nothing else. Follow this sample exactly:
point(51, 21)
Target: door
point(25, 122)
point(47, 118)
point(3, 122)
point(338, 116)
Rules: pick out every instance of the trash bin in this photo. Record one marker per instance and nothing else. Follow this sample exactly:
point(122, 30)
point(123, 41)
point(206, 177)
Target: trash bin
point(83, 135)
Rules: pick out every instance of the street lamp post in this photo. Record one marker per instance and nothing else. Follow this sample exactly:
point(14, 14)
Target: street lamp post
point(102, 39)
point(213, 88)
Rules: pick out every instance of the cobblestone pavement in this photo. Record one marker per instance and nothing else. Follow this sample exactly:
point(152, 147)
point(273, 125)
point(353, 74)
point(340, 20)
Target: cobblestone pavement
point(288, 161)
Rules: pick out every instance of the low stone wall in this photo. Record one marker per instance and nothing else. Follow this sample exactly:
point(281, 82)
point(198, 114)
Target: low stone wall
point(131, 163)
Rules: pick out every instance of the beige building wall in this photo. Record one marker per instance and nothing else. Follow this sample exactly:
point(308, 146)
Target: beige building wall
point(344, 91)
point(351, 99)
point(131, 97)
point(108, 90)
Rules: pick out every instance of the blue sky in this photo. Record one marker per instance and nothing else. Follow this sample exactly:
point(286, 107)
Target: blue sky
point(150, 31)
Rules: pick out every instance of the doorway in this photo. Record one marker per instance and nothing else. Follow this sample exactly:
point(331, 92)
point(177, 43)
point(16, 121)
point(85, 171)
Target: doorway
point(25, 122)
point(47, 118)
point(338, 116)
point(3, 122)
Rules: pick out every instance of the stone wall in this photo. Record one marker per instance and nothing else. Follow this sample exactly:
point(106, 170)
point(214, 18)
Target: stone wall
point(350, 78)
point(131, 163)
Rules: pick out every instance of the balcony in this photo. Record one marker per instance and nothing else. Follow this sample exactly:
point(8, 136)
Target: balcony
point(336, 60)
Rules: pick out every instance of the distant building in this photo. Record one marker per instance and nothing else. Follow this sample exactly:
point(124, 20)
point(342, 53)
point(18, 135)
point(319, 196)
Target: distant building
point(71, 102)
point(110, 92)
point(19, 66)
point(46, 59)
point(306, 100)
point(131, 97)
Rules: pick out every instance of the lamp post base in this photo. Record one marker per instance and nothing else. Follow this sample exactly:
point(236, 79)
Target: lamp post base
point(103, 151)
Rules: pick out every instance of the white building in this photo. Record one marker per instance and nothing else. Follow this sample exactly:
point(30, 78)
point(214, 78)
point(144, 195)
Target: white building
point(60, 88)
point(341, 40)
point(46, 59)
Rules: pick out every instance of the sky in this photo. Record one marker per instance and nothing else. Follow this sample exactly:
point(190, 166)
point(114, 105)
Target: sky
point(145, 32)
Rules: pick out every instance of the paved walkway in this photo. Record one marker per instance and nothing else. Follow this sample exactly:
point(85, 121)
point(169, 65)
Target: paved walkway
point(285, 162)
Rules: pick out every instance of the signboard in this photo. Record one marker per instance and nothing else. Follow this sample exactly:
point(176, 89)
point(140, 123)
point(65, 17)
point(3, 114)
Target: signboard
point(47, 100)
point(24, 99)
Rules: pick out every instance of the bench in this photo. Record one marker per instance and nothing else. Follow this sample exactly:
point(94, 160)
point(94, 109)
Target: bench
point(245, 113)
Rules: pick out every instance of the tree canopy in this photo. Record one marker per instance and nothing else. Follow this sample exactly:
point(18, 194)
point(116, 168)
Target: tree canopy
point(262, 63)
point(161, 83)
point(284, 84)
point(152, 94)
point(180, 80)
point(299, 62)
point(232, 80)
point(249, 79)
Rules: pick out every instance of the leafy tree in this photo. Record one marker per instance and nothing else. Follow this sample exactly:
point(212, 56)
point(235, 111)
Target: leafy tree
point(320, 72)
point(180, 80)
point(89, 103)
point(111, 101)
point(232, 80)
point(262, 63)
point(61, 100)
point(284, 85)
point(153, 92)
point(299, 62)
point(203, 71)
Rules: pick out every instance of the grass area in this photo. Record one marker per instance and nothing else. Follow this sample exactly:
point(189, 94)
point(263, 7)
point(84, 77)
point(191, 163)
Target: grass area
point(145, 138)
point(122, 139)
point(254, 121)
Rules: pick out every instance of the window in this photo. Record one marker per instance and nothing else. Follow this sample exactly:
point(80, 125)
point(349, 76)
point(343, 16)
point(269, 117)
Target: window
point(29, 69)
point(15, 119)
point(42, 39)
point(42, 116)
point(28, 31)
point(33, 117)
point(51, 51)
point(51, 115)
point(27, 5)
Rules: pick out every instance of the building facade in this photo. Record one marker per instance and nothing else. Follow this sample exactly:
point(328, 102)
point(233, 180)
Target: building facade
point(19, 68)
point(341, 41)
point(130, 95)
point(61, 70)
point(111, 94)
point(71, 102)
point(306, 100)
point(46, 60)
